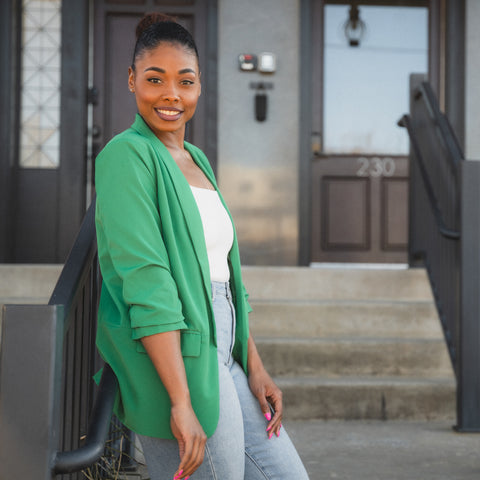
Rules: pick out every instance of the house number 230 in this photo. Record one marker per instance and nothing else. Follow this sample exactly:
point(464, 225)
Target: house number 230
point(376, 167)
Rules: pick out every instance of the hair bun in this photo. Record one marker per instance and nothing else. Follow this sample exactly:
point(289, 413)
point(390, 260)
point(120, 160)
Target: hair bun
point(151, 19)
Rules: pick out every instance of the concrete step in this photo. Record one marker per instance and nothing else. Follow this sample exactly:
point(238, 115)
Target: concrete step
point(362, 398)
point(27, 284)
point(336, 283)
point(330, 357)
point(325, 318)
point(352, 343)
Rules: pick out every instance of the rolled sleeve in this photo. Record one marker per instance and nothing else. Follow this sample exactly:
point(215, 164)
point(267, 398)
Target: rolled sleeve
point(131, 248)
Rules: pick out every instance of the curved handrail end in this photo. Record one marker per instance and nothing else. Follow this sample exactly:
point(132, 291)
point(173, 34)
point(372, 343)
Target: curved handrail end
point(88, 454)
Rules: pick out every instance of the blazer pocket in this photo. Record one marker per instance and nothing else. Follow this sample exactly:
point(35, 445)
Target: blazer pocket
point(190, 341)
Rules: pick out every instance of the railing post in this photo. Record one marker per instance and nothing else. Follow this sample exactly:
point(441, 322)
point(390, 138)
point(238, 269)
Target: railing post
point(414, 184)
point(30, 382)
point(468, 344)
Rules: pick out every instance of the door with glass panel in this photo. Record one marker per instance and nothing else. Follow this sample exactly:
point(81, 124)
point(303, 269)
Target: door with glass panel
point(46, 108)
point(359, 166)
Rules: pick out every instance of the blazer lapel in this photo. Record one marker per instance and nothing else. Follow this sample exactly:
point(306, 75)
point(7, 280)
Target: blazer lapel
point(186, 200)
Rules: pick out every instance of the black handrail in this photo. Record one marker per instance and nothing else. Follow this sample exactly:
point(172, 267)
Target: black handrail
point(98, 429)
point(78, 266)
point(446, 134)
point(444, 187)
point(446, 231)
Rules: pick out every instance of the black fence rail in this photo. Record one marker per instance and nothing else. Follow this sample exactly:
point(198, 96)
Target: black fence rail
point(444, 235)
point(50, 425)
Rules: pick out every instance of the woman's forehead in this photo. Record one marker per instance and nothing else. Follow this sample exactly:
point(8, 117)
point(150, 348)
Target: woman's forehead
point(167, 53)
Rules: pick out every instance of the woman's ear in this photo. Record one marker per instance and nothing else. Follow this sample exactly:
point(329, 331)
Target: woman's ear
point(131, 79)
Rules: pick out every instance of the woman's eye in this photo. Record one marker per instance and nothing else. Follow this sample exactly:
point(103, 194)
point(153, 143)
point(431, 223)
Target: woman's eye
point(154, 80)
point(187, 82)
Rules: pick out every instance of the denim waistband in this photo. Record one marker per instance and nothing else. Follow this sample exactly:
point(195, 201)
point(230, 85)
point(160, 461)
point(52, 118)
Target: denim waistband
point(221, 288)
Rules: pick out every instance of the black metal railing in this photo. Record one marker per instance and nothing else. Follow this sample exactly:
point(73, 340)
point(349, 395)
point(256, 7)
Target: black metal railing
point(444, 231)
point(50, 423)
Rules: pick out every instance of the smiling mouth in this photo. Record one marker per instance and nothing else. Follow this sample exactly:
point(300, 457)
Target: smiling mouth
point(168, 112)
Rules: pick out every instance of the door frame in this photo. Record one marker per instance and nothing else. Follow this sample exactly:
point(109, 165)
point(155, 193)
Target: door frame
point(8, 75)
point(311, 84)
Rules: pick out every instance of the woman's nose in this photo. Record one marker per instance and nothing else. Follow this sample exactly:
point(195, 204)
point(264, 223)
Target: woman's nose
point(171, 94)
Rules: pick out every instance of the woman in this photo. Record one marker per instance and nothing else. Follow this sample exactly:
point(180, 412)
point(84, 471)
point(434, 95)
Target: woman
point(173, 312)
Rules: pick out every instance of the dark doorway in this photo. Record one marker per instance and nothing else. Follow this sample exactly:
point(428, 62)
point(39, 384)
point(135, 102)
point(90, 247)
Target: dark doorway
point(44, 118)
point(114, 37)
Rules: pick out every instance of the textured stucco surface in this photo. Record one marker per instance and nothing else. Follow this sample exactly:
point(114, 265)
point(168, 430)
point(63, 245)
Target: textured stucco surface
point(258, 161)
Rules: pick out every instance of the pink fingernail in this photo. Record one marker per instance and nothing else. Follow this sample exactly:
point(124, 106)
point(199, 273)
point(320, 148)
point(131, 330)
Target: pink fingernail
point(268, 416)
point(270, 436)
point(269, 428)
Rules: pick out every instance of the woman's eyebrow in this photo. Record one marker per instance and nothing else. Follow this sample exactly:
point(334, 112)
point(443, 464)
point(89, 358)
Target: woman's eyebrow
point(156, 69)
point(161, 70)
point(186, 70)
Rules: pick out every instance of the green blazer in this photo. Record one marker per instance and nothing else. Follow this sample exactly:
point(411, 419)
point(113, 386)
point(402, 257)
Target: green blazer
point(156, 279)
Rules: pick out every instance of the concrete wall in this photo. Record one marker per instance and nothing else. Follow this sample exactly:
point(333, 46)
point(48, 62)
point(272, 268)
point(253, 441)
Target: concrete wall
point(472, 81)
point(258, 161)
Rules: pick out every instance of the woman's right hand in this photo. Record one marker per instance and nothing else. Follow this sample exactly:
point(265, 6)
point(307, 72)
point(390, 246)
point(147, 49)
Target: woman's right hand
point(165, 352)
point(191, 440)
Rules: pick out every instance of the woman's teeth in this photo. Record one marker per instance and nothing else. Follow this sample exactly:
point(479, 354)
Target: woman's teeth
point(168, 112)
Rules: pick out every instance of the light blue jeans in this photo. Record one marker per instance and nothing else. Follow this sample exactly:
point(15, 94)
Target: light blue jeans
point(239, 449)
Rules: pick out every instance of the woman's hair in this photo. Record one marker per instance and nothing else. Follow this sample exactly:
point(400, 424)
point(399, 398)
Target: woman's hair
point(156, 28)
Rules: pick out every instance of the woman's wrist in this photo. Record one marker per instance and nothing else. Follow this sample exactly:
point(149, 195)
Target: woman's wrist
point(181, 400)
point(254, 362)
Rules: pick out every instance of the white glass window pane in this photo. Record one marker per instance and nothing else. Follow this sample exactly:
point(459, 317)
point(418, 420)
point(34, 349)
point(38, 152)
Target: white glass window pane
point(366, 87)
point(40, 99)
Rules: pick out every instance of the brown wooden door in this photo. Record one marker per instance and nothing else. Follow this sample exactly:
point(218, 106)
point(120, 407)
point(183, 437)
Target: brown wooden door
point(114, 38)
point(361, 209)
point(359, 171)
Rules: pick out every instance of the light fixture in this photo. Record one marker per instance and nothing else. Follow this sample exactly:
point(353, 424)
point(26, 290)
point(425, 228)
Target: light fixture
point(354, 27)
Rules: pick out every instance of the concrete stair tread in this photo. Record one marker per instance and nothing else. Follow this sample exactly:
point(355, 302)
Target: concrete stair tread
point(34, 283)
point(322, 318)
point(336, 283)
point(361, 398)
point(340, 302)
point(333, 357)
point(24, 300)
point(348, 339)
point(366, 380)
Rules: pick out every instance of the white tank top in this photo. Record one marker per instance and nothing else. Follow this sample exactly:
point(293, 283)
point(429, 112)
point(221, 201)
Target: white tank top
point(218, 231)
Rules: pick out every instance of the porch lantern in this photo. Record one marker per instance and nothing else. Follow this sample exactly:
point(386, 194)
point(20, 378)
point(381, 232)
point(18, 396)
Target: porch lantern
point(354, 27)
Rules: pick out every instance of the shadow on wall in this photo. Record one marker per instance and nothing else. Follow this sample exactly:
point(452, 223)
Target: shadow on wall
point(263, 203)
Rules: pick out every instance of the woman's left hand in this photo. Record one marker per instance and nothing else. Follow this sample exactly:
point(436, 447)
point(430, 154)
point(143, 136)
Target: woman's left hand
point(269, 397)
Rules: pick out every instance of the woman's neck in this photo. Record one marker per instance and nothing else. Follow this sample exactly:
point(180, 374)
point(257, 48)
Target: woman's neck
point(172, 140)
